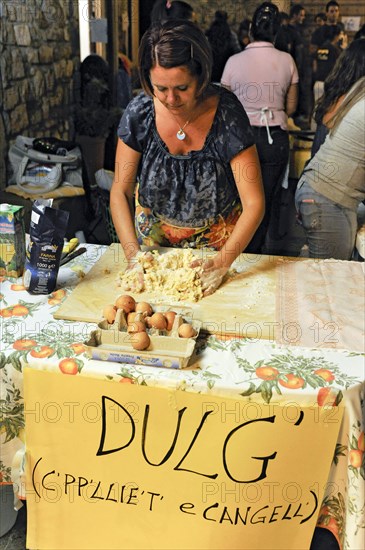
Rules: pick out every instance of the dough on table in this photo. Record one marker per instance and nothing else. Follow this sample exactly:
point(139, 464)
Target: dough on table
point(167, 274)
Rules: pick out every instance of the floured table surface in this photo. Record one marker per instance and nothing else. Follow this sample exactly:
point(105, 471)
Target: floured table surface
point(244, 305)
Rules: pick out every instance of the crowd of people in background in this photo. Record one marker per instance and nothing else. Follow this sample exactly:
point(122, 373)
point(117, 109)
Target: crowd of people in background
point(315, 76)
point(315, 42)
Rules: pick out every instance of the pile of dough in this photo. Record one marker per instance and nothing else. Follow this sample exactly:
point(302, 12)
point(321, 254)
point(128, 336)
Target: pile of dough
point(167, 274)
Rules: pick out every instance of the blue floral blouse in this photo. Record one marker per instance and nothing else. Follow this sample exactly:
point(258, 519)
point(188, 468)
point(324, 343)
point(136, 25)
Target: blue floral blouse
point(194, 189)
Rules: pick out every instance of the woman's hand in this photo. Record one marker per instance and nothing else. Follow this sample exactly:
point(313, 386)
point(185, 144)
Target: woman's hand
point(135, 271)
point(135, 277)
point(211, 276)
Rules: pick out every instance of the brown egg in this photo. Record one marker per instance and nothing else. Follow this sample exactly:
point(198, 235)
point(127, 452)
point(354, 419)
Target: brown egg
point(126, 303)
point(135, 316)
point(109, 312)
point(170, 318)
point(140, 341)
point(145, 308)
point(147, 320)
point(186, 331)
point(136, 326)
point(131, 317)
point(158, 320)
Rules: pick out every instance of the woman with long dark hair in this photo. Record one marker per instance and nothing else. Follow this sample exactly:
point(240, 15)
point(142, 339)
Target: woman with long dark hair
point(333, 182)
point(349, 67)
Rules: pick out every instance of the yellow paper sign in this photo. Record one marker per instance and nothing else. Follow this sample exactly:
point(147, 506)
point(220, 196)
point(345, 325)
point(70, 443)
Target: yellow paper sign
point(124, 466)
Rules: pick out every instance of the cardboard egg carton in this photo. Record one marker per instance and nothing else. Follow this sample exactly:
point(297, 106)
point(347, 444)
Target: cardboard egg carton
point(112, 342)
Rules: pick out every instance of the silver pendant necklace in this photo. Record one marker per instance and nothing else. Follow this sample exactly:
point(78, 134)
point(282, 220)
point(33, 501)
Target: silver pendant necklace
point(180, 133)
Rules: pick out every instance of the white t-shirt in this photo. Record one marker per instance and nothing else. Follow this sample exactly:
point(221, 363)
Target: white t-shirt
point(260, 76)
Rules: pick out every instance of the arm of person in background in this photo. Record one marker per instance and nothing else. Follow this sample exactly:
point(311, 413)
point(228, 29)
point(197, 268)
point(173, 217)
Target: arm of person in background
point(291, 100)
point(122, 198)
point(313, 49)
point(343, 41)
point(323, 126)
point(247, 175)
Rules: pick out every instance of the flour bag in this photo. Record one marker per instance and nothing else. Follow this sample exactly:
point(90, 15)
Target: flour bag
point(47, 232)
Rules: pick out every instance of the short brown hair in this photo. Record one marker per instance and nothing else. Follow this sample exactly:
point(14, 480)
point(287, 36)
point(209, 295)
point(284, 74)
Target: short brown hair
point(171, 44)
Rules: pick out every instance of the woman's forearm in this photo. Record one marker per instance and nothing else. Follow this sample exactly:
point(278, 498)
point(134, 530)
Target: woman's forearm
point(122, 197)
point(247, 174)
point(242, 234)
point(291, 100)
point(122, 210)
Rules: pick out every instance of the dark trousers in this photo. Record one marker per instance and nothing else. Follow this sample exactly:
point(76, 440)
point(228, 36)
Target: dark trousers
point(273, 161)
point(323, 540)
point(306, 99)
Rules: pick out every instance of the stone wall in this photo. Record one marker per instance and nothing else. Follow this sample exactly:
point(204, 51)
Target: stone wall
point(39, 53)
point(237, 11)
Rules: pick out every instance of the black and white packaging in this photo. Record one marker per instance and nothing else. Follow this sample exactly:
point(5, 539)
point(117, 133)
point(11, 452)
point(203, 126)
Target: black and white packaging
point(47, 231)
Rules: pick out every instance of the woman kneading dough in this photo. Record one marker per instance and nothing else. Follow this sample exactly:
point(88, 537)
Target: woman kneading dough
point(189, 145)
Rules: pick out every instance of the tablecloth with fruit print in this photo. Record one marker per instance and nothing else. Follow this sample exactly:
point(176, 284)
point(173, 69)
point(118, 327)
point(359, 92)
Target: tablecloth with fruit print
point(250, 370)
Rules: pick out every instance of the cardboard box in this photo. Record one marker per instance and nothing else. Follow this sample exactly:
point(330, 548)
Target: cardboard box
point(112, 342)
point(12, 240)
